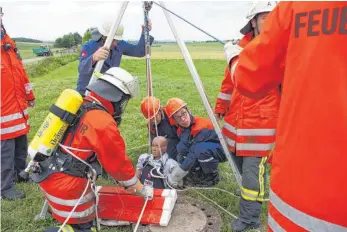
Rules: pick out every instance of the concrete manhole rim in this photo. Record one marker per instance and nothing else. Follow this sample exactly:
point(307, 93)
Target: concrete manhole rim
point(213, 218)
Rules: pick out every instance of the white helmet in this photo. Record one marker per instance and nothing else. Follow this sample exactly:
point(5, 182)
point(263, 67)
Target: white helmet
point(105, 28)
point(124, 82)
point(257, 8)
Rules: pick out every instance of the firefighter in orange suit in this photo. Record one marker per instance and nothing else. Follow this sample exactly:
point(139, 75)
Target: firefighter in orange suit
point(16, 97)
point(308, 176)
point(249, 124)
point(94, 136)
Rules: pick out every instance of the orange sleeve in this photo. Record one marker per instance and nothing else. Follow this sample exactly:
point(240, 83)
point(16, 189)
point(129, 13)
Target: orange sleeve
point(261, 62)
point(27, 85)
point(111, 152)
point(224, 96)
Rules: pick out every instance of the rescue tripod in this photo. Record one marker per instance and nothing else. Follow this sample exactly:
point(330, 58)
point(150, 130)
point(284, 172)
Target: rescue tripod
point(190, 64)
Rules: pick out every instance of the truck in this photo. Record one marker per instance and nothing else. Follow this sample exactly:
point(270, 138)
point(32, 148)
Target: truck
point(43, 50)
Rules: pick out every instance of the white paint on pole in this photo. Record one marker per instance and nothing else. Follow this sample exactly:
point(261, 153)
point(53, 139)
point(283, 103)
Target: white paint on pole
point(203, 96)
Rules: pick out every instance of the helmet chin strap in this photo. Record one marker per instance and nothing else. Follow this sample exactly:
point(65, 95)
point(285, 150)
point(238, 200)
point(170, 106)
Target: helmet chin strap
point(256, 28)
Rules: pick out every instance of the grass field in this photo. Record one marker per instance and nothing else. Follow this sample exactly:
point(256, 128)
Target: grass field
point(163, 51)
point(170, 78)
point(196, 50)
point(25, 49)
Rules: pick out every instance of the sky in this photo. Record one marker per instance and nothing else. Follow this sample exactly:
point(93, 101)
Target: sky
point(48, 20)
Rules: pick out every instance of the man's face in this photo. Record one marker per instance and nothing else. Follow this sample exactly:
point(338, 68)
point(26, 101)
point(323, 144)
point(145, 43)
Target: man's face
point(259, 22)
point(114, 43)
point(182, 118)
point(158, 148)
point(156, 119)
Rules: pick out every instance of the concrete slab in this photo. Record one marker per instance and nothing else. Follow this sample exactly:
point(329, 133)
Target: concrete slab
point(185, 217)
point(189, 215)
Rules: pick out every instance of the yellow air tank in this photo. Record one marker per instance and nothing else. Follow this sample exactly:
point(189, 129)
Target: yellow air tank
point(53, 128)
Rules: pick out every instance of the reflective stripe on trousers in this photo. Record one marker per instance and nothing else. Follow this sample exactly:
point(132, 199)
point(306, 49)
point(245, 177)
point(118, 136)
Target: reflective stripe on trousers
point(301, 219)
point(79, 214)
point(71, 203)
point(253, 195)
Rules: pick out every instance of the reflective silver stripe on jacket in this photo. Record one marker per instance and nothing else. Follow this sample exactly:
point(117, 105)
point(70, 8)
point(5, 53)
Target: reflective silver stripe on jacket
point(131, 182)
point(224, 96)
point(229, 127)
point(249, 132)
point(302, 219)
point(274, 225)
point(71, 202)
point(12, 129)
point(233, 68)
point(256, 132)
point(230, 142)
point(254, 146)
point(12, 117)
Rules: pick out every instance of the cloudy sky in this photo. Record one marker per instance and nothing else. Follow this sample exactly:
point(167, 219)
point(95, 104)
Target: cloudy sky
point(47, 20)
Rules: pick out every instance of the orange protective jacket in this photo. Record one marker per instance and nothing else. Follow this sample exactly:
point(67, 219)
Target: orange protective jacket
point(15, 92)
point(249, 124)
point(308, 182)
point(97, 133)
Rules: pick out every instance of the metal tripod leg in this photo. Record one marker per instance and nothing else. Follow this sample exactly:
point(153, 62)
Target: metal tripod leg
point(44, 212)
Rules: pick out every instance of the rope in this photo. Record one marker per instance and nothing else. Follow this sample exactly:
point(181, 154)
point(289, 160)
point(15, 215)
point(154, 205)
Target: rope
point(220, 41)
point(134, 148)
point(74, 208)
point(226, 211)
point(91, 181)
point(141, 214)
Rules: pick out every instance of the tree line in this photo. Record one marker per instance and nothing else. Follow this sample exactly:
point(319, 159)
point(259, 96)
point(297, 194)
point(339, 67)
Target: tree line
point(27, 40)
point(69, 40)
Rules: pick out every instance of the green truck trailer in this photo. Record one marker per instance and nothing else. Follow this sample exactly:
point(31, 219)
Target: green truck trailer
point(43, 50)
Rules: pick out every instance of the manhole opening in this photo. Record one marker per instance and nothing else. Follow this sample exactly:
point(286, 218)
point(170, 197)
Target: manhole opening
point(203, 209)
point(210, 223)
point(209, 216)
point(193, 204)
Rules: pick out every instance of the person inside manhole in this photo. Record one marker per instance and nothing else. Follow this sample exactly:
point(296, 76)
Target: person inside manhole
point(151, 169)
point(199, 151)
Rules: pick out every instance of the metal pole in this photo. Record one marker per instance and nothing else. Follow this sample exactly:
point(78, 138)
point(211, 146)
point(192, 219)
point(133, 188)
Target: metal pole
point(203, 96)
point(220, 41)
point(109, 39)
point(146, 8)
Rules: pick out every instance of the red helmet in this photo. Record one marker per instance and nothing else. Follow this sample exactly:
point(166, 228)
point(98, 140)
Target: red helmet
point(173, 105)
point(150, 107)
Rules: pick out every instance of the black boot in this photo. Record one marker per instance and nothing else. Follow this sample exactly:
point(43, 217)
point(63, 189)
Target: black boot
point(12, 194)
point(239, 226)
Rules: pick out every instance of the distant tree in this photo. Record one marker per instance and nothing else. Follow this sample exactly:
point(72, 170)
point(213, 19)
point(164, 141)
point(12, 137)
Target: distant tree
point(69, 40)
point(28, 40)
point(58, 43)
point(87, 35)
point(78, 38)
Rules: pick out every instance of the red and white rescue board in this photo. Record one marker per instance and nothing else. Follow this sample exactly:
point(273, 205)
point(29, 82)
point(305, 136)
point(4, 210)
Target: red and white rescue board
point(117, 204)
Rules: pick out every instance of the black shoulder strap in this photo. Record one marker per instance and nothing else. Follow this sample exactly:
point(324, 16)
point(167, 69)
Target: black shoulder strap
point(64, 115)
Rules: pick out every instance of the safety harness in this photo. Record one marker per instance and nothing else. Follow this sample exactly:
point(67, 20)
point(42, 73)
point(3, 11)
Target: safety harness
point(60, 161)
point(149, 172)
